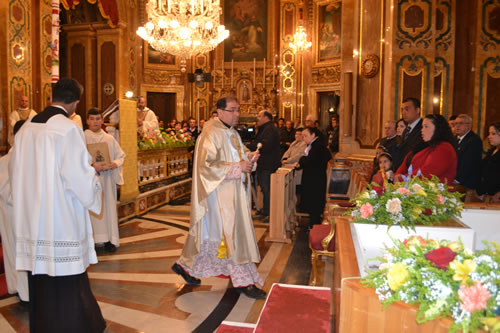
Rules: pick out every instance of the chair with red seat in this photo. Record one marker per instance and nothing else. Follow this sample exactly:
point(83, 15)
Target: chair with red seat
point(322, 240)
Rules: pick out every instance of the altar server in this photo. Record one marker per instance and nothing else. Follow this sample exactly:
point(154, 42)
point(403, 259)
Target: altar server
point(105, 225)
point(53, 187)
point(17, 281)
point(23, 112)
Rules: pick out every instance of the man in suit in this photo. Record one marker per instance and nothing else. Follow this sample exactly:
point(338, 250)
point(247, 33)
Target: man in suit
point(410, 110)
point(469, 154)
point(390, 139)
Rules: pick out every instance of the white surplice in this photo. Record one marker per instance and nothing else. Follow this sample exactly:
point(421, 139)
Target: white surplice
point(17, 281)
point(105, 224)
point(53, 187)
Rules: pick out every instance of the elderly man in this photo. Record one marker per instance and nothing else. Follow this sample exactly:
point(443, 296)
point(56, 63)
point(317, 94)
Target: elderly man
point(23, 112)
point(53, 188)
point(295, 151)
point(268, 136)
point(221, 239)
point(146, 118)
point(390, 139)
point(412, 137)
point(469, 154)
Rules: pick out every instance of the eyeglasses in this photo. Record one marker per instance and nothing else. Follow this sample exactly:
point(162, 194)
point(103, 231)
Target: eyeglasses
point(232, 110)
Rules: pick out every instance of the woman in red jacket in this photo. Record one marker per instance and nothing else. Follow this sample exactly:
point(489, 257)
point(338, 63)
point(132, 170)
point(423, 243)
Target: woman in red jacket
point(436, 156)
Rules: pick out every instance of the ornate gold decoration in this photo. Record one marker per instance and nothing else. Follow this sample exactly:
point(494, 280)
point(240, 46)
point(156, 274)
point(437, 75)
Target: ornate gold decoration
point(370, 65)
point(327, 74)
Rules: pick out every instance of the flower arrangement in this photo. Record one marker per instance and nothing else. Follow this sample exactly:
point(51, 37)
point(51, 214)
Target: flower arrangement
point(159, 139)
point(417, 201)
point(444, 278)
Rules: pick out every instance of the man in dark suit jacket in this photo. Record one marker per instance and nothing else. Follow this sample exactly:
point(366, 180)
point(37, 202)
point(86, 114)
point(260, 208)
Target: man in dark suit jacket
point(469, 154)
point(270, 157)
point(390, 139)
point(412, 137)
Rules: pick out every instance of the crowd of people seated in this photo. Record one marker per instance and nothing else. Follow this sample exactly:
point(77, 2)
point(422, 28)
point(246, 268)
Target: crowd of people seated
point(433, 146)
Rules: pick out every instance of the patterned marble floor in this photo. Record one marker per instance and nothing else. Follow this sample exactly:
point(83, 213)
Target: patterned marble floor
point(138, 292)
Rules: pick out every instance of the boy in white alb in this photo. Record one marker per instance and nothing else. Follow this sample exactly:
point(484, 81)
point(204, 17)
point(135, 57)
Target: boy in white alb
point(105, 225)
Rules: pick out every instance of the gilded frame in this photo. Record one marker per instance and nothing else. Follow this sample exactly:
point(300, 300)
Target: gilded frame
point(153, 58)
point(332, 49)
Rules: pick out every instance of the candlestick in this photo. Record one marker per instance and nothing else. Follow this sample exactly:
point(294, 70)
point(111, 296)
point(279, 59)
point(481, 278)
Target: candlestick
point(222, 72)
point(264, 74)
point(274, 67)
point(232, 72)
point(254, 72)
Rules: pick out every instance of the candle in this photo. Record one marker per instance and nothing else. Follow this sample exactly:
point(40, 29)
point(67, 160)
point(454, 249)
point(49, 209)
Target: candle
point(192, 6)
point(232, 72)
point(254, 72)
point(222, 71)
point(274, 67)
point(264, 74)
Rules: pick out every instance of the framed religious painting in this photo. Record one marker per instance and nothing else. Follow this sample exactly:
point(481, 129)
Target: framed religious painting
point(327, 32)
point(244, 91)
point(157, 59)
point(248, 25)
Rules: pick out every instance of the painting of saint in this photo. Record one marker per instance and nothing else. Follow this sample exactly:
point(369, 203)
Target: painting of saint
point(244, 92)
point(157, 58)
point(246, 21)
point(329, 20)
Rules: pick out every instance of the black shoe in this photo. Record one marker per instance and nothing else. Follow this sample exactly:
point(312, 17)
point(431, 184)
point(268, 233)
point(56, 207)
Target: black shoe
point(108, 247)
point(252, 292)
point(188, 278)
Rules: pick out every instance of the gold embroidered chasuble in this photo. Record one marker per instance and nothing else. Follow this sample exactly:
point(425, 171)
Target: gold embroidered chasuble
point(217, 150)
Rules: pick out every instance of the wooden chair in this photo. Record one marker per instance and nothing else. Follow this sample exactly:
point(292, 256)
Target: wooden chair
point(322, 241)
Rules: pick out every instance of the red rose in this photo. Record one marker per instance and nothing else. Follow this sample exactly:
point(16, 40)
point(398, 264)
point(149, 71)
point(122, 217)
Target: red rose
point(441, 257)
point(427, 212)
point(379, 189)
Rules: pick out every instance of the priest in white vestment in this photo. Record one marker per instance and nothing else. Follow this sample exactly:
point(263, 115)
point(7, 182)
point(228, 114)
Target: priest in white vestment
point(53, 188)
point(221, 239)
point(17, 281)
point(146, 118)
point(23, 112)
point(105, 224)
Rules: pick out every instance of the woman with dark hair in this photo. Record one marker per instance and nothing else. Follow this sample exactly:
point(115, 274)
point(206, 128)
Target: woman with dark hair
point(313, 164)
point(490, 177)
point(436, 155)
point(332, 134)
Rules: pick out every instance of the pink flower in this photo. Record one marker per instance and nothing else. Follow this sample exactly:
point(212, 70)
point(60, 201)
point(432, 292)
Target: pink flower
point(474, 297)
point(366, 210)
point(403, 190)
point(440, 199)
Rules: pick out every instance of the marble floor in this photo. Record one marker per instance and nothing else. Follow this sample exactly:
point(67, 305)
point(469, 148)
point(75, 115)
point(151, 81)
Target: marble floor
point(138, 292)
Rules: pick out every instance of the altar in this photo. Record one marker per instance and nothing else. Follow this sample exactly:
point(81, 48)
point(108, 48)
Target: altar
point(358, 309)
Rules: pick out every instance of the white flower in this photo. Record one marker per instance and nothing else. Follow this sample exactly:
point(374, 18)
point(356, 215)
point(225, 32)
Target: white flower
point(416, 187)
point(393, 206)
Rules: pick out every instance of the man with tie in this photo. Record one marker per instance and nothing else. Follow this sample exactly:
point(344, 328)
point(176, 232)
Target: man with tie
point(410, 110)
point(469, 154)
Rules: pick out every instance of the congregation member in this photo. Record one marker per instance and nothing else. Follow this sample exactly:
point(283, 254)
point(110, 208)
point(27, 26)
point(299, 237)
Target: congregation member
point(469, 154)
point(23, 112)
point(313, 184)
point(53, 188)
point(451, 122)
point(332, 133)
point(146, 118)
point(192, 128)
point(17, 281)
point(384, 173)
point(295, 151)
point(390, 140)
point(105, 224)
point(435, 156)
point(287, 136)
point(410, 109)
point(489, 185)
point(221, 240)
point(269, 137)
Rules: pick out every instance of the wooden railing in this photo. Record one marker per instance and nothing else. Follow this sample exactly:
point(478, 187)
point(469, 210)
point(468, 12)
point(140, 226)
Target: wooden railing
point(160, 164)
point(282, 205)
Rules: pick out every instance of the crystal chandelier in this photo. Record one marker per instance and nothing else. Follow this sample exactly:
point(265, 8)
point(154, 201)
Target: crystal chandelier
point(183, 27)
point(300, 42)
